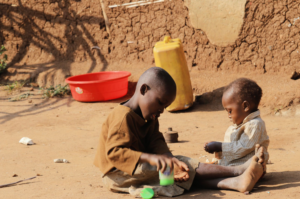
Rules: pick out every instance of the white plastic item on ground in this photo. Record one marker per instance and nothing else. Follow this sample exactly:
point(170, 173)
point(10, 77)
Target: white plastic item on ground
point(269, 162)
point(26, 141)
point(215, 160)
point(61, 161)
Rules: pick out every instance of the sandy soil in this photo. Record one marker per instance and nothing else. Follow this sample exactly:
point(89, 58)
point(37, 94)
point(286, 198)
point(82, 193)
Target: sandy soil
point(65, 128)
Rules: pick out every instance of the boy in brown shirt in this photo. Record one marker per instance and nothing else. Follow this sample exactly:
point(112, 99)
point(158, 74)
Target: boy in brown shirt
point(132, 150)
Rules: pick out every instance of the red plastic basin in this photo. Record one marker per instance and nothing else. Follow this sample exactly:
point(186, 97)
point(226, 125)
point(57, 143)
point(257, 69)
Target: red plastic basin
point(100, 86)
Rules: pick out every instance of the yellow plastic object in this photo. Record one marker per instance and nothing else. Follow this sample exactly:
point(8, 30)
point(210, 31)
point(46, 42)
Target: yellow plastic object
point(169, 55)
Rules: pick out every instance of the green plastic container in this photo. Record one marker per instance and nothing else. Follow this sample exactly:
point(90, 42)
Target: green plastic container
point(147, 193)
point(166, 178)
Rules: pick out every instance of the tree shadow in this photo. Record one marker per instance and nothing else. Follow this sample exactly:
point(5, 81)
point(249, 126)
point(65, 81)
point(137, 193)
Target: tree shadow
point(25, 24)
point(34, 109)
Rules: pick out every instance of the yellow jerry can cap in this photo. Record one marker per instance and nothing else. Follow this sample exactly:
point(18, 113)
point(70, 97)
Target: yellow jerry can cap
point(168, 43)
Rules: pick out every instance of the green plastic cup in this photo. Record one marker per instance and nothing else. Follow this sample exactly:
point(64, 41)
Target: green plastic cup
point(166, 178)
point(147, 193)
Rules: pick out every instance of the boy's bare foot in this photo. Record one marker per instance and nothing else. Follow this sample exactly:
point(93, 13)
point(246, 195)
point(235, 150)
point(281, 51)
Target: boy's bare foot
point(245, 182)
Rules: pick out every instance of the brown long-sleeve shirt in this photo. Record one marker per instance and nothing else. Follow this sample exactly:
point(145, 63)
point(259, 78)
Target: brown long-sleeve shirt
point(124, 137)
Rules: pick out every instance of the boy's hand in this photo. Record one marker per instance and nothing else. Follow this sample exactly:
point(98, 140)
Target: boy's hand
point(212, 147)
point(180, 171)
point(160, 161)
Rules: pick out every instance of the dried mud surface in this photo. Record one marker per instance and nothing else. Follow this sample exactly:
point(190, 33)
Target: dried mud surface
point(48, 31)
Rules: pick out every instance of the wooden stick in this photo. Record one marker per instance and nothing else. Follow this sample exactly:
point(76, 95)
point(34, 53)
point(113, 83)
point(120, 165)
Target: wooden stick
point(6, 185)
point(143, 4)
point(136, 3)
point(126, 4)
point(105, 16)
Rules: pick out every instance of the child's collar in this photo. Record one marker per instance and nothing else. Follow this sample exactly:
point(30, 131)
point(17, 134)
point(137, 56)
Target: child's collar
point(249, 117)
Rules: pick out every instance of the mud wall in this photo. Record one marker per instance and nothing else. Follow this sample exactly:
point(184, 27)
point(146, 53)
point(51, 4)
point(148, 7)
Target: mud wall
point(43, 31)
point(50, 30)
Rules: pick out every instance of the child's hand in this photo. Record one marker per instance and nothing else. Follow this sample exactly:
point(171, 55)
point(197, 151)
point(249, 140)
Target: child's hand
point(160, 161)
point(212, 147)
point(206, 147)
point(180, 171)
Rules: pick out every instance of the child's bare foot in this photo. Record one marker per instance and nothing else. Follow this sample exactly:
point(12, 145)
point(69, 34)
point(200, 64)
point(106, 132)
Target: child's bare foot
point(245, 182)
point(259, 153)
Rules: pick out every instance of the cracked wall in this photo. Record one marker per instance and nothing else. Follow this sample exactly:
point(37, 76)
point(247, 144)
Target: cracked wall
point(45, 31)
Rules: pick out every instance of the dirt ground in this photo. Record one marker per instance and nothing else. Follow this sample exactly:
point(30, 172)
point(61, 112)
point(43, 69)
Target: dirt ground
point(65, 128)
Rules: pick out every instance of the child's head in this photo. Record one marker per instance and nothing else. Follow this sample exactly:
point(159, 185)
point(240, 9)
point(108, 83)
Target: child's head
point(240, 98)
point(155, 91)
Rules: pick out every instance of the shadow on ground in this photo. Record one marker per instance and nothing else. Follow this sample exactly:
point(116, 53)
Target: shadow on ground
point(209, 101)
point(279, 181)
point(33, 109)
point(53, 103)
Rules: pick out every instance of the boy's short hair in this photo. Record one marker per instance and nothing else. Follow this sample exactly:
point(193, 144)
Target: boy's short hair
point(246, 89)
point(158, 78)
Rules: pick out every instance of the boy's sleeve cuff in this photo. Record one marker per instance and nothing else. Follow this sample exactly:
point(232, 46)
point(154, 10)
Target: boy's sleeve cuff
point(130, 164)
point(226, 148)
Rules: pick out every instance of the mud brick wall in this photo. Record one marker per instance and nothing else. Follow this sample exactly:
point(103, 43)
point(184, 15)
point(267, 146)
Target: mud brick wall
point(268, 41)
point(49, 30)
point(38, 31)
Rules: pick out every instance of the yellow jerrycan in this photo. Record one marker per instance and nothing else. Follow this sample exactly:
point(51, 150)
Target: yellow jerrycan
point(169, 55)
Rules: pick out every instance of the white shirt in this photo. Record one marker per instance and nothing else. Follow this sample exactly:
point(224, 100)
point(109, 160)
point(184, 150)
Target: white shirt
point(240, 140)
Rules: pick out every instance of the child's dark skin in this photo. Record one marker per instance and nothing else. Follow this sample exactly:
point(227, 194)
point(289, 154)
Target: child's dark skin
point(149, 103)
point(237, 111)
